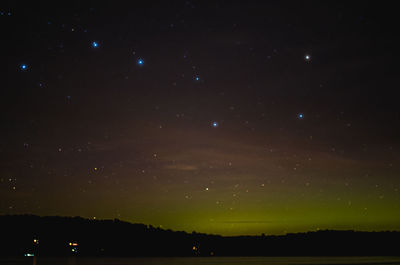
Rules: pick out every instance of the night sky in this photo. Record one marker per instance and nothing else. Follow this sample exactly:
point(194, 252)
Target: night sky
point(227, 117)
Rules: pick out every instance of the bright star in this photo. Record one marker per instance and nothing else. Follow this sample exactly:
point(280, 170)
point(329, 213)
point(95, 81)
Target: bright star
point(140, 62)
point(95, 44)
point(215, 124)
point(197, 78)
point(23, 67)
point(307, 57)
point(300, 116)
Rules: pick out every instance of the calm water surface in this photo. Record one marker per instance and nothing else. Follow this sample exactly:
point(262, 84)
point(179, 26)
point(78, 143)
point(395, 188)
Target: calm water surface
point(205, 261)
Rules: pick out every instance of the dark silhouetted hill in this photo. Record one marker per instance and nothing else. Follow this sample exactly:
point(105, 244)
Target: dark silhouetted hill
point(63, 236)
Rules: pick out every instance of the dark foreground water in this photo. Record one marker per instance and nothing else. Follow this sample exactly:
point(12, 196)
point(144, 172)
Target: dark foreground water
point(204, 261)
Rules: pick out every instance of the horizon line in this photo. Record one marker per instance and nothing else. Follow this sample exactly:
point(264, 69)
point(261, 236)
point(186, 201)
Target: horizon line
point(210, 234)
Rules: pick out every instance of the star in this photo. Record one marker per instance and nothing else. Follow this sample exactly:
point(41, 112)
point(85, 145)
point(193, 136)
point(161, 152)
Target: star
point(140, 62)
point(95, 44)
point(307, 57)
point(300, 116)
point(197, 78)
point(23, 67)
point(215, 124)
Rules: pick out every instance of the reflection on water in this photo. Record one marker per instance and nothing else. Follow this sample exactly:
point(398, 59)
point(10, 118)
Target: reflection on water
point(204, 261)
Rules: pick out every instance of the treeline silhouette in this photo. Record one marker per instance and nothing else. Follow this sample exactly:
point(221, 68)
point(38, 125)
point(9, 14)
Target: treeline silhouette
point(58, 236)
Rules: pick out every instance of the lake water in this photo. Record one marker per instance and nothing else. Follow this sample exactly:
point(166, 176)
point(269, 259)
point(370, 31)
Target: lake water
point(205, 261)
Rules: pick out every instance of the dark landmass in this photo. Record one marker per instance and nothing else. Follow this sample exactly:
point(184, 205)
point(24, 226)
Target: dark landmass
point(64, 236)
